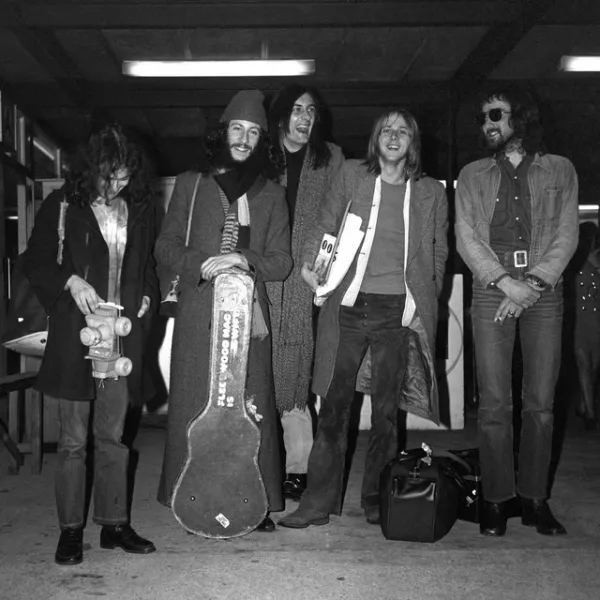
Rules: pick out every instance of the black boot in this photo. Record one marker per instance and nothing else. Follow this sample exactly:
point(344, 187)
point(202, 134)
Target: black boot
point(70, 547)
point(123, 536)
point(266, 525)
point(294, 486)
point(493, 520)
point(537, 513)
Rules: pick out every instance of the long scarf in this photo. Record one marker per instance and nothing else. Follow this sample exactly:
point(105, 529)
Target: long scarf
point(292, 301)
point(236, 230)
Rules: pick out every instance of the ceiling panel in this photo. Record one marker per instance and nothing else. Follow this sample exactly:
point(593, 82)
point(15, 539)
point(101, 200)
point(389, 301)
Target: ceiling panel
point(92, 54)
point(178, 122)
point(442, 51)
point(16, 64)
point(538, 54)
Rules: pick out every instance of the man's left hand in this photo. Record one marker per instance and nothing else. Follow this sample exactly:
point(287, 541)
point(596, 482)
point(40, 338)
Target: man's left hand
point(214, 265)
point(144, 307)
point(508, 309)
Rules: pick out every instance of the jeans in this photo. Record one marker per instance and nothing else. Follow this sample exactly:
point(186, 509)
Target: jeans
point(374, 321)
point(540, 330)
point(297, 438)
point(111, 456)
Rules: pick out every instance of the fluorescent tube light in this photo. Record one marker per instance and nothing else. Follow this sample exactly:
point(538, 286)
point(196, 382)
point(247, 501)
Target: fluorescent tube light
point(218, 68)
point(43, 148)
point(581, 64)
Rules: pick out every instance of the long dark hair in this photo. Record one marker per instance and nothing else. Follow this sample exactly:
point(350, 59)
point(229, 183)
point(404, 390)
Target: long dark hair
point(279, 121)
point(524, 117)
point(217, 153)
point(412, 166)
point(105, 153)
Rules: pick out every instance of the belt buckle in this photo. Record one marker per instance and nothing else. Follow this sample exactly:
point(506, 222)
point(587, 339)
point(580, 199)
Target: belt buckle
point(520, 257)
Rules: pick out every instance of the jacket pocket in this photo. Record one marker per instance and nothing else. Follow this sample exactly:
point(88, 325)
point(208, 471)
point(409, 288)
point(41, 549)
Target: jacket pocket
point(552, 202)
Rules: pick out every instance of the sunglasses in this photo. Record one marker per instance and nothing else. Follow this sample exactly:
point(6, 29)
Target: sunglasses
point(494, 115)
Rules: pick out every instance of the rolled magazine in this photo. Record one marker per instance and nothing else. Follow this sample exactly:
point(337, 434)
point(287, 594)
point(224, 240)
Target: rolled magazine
point(336, 255)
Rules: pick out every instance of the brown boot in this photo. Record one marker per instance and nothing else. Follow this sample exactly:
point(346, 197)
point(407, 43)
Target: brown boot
point(303, 517)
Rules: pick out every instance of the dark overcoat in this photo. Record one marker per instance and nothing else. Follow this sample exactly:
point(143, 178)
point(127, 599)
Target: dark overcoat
point(269, 255)
point(426, 261)
point(64, 372)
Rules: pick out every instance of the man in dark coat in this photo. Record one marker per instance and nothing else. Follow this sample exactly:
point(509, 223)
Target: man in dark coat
point(106, 257)
point(386, 302)
point(296, 124)
point(239, 219)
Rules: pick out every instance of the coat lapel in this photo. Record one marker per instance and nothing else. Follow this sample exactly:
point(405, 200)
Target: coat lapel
point(365, 188)
point(134, 212)
point(212, 206)
point(85, 216)
point(421, 204)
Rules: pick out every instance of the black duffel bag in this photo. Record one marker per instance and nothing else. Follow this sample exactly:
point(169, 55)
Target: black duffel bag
point(420, 495)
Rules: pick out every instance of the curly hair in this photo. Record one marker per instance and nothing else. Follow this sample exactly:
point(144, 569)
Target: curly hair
point(217, 153)
point(524, 118)
point(279, 121)
point(105, 153)
point(412, 166)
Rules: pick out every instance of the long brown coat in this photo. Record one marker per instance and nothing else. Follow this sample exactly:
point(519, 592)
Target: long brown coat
point(292, 301)
point(426, 260)
point(269, 254)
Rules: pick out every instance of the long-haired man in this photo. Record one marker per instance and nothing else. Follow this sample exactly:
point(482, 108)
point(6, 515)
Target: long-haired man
point(106, 257)
point(239, 219)
point(516, 229)
point(387, 302)
point(310, 163)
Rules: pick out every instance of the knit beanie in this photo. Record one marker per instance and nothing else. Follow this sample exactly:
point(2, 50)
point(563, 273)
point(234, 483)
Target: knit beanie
point(247, 105)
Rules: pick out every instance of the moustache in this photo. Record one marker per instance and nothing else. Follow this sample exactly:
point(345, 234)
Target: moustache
point(242, 147)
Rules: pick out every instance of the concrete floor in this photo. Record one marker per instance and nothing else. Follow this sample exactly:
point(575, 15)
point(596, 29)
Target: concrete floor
point(347, 559)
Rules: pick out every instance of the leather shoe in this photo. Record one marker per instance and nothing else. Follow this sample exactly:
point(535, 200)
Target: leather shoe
point(294, 486)
point(493, 520)
point(123, 536)
point(70, 547)
point(537, 513)
point(303, 517)
point(266, 525)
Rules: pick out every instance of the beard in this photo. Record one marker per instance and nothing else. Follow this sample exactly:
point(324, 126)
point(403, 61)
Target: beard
point(225, 159)
point(501, 143)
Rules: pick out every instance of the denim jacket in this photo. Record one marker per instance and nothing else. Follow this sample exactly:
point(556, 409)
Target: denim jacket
point(555, 217)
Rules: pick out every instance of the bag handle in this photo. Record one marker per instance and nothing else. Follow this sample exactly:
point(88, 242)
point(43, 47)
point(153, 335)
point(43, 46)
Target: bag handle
point(425, 451)
point(189, 222)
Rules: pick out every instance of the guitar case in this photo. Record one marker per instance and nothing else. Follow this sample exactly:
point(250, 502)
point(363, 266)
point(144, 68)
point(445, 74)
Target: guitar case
point(220, 492)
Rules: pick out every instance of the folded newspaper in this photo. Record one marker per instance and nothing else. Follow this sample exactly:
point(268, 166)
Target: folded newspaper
point(336, 256)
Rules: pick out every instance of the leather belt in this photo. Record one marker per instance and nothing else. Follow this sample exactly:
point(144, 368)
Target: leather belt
point(518, 258)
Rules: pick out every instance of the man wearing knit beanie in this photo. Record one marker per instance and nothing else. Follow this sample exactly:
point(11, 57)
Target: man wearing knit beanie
point(239, 219)
point(247, 105)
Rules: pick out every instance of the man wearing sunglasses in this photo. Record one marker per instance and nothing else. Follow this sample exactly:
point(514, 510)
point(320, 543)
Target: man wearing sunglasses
point(516, 229)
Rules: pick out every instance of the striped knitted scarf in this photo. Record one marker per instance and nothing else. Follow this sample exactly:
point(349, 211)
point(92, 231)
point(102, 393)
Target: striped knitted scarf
point(237, 215)
point(237, 223)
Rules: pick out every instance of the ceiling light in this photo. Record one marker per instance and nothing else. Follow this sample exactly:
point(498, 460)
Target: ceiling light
point(218, 68)
point(43, 148)
point(580, 63)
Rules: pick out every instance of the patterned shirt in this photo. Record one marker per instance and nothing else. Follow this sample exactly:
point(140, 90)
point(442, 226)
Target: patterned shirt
point(112, 220)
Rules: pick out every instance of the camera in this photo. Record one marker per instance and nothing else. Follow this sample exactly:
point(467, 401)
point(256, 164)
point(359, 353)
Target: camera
point(103, 333)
